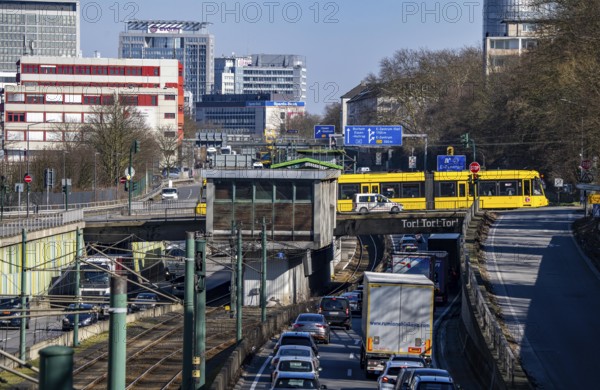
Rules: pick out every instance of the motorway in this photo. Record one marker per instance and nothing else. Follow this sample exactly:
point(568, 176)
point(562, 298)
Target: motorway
point(548, 293)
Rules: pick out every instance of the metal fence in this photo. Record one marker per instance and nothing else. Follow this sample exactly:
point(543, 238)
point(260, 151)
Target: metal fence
point(39, 222)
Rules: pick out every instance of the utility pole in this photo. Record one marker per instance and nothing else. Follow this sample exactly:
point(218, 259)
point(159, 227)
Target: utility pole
point(78, 254)
point(134, 148)
point(2, 196)
point(239, 288)
point(188, 312)
point(233, 287)
point(263, 276)
point(117, 337)
point(22, 334)
point(200, 315)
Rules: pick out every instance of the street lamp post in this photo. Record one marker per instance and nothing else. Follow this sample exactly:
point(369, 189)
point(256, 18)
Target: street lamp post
point(95, 192)
point(27, 162)
point(581, 153)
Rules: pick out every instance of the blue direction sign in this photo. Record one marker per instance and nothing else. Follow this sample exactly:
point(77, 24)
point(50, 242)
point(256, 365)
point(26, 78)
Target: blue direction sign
point(373, 136)
point(451, 163)
point(323, 131)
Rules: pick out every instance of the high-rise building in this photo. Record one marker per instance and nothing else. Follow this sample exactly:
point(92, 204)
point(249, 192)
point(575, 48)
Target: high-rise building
point(188, 42)
point(509, 29)
point(39, 28)
point(56, 96)
point(262, 73)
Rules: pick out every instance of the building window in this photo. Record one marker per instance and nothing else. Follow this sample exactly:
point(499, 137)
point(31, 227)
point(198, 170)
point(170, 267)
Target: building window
point(169, 115)
point(15, 117)
point(15, 97)
point(35, 99)
point(129, 100)
point(91, 100)
point(170, 97)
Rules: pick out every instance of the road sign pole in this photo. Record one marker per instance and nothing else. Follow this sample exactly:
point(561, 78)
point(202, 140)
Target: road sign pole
point(130, 187)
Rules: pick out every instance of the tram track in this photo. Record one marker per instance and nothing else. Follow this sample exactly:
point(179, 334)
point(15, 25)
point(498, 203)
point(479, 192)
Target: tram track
point(154, 354)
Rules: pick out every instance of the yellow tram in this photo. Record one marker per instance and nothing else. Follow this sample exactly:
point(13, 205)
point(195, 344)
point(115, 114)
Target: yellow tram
point(495, 189)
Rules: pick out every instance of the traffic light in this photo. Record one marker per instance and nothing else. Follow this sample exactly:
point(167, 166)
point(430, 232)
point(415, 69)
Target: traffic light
point(465, 139)
point(450, 151)
point(475, 177)
point(136, 146)
point(127, 185)
point(134, 186)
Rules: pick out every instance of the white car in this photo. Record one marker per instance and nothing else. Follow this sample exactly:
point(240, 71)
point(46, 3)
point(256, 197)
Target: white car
point(295, 364)
point(297, 351)
point(387, 380)
point(169, 194)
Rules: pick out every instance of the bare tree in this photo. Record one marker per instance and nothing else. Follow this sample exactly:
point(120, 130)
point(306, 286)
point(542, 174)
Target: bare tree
point(111, 131)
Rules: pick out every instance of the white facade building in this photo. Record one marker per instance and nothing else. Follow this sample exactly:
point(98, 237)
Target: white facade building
point(56, 95)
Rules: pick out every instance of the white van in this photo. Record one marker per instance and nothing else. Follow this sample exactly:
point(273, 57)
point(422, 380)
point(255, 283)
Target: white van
point(369, 203)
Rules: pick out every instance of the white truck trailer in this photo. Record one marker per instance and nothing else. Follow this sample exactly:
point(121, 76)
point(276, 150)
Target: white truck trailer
point(397, 318)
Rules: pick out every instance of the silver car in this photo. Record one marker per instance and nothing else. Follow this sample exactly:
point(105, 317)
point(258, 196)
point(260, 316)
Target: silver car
point(295, 364)
point(315, 324)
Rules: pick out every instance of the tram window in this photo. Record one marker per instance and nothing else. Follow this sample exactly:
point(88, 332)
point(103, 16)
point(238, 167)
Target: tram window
point(446, 189)
point(461, 190)
point(509, 188)
point(347, 191)
point(538, 188)
point(487, 188)
point(390, 190)
point(527, 188)
point(411, 190)
point(365, 190)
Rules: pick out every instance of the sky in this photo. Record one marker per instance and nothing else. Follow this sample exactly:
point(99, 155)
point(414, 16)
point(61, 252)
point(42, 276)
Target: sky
point(343, 41)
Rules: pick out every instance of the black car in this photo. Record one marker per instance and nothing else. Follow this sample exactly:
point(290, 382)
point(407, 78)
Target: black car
point(11, 307)
point(336, 311)
point(85, 319)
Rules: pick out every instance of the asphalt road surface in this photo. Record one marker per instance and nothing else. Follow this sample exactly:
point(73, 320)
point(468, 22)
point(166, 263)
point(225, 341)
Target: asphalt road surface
point(548, 293)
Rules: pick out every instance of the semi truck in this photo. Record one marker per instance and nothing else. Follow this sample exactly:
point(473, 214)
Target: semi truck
point(433, 264)
point(397, 318)
point(449, 242)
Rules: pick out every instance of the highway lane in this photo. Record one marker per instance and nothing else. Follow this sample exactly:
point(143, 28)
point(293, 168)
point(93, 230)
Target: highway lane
point(548, 294)
point(340, 361)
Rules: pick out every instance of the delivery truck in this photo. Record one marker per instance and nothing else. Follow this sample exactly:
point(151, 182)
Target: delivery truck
point(397, 318)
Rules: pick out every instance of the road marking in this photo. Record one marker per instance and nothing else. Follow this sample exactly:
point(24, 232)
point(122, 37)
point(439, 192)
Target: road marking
point(260, 371)
point(349, 372)
point(351, 355)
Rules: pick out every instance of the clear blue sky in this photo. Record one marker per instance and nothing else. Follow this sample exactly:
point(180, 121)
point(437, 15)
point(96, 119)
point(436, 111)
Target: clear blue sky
point(343, 41)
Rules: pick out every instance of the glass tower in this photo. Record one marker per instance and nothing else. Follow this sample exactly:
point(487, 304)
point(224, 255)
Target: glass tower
point(188, 42)
point(497, 12)
point(40, 28)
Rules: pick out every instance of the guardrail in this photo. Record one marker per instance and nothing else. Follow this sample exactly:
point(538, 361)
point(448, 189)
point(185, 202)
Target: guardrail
point(14, 227)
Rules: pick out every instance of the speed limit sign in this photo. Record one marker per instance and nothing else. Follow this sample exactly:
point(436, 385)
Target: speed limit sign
point(558, 182)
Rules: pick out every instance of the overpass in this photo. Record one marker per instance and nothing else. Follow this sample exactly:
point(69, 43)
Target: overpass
point(402, 223)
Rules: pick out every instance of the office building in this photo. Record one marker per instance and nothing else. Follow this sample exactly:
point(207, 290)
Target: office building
point(187, 42)
point(262, 73)
point(38, 28)
point(58, 95)
point(510, 29)
point(263, 115)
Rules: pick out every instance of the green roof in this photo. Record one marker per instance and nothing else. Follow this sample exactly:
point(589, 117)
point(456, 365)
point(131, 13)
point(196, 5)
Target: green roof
point(306, 161)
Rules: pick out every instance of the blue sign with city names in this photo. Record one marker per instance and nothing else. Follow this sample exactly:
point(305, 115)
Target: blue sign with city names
point(373, 136)
point(323, 131)
point(451, 163)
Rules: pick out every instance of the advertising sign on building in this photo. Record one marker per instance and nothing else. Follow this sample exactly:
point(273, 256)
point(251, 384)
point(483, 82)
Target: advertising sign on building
point(164, 29)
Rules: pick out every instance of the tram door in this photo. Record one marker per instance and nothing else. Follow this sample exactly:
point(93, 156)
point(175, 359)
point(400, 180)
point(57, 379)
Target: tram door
point(367, 188)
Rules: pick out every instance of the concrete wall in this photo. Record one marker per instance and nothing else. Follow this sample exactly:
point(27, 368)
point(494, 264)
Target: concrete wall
point(48, 253)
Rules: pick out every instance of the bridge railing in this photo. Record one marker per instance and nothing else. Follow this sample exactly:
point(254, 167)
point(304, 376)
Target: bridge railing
point(10, 228)
point(172, 208)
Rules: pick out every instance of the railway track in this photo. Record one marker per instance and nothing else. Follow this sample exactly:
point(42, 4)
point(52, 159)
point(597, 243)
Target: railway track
point(155, 351)
point(361, 262)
